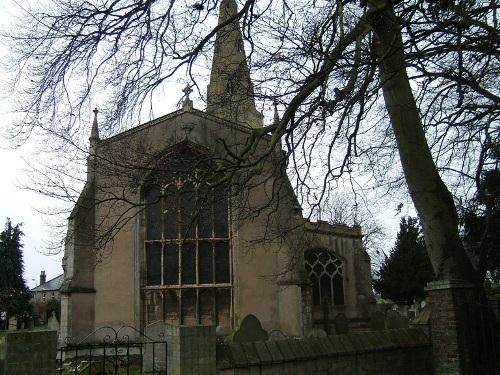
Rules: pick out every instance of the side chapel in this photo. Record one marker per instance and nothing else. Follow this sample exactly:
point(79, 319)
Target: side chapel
point(150, 239)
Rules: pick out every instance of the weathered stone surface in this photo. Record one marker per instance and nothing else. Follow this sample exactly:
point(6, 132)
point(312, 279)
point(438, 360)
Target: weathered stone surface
point(316, 332)
point(250, 330)
point(377, 321)
point(341, 324)
point(394, 320)
point(276, 334)
point(389, 352)
point(53, 323)
point(28, 353)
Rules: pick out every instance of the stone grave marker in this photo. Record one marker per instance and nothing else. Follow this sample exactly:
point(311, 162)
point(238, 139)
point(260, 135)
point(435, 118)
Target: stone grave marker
point(53, 324)
point(341, 324)
point(250, 330)
point(12, 324)
point(395, 320)
point(316, 332)
point(377, 321)
point(276, 335)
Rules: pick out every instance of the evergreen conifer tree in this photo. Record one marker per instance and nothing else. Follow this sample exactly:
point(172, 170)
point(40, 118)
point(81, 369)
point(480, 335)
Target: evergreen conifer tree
point(405, 272)
point(14, 294)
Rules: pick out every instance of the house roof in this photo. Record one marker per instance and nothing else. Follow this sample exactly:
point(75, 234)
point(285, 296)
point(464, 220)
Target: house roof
point(51, 285)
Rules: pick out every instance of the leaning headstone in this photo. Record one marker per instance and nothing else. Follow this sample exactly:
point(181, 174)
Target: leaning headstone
point(377, 321)
point(316, 332)
point(276, 335)
point(12, 324)
point(341, 324)
point(53, 324)
point(395, 320)
point(250, 330)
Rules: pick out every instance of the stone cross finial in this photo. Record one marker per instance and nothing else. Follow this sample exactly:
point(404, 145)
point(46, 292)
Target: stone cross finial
point(187, 90)
point(187, 104)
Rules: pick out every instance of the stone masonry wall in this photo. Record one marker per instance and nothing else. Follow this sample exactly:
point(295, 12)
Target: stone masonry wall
point(390, 352)
point(28, 353)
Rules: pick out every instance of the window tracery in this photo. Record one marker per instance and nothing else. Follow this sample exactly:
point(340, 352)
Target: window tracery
point(187, 250)
point(325, 271)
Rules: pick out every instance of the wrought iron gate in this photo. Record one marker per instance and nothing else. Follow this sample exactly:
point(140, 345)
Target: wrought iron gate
point(111, 351)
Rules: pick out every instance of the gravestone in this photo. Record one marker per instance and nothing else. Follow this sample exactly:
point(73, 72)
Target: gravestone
point(250, 330)
point(12, 324)
point(377, 321)
point(276, 335)
point(316, 332)
point(341, 324)
point(395, 320)
point(30, 323)
point(53, 324)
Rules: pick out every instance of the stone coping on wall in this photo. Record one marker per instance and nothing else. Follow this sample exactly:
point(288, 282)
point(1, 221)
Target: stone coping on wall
point(247, 354)
point(447, 284)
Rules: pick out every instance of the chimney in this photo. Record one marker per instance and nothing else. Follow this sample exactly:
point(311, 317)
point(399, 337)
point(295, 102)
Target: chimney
point(43, 278)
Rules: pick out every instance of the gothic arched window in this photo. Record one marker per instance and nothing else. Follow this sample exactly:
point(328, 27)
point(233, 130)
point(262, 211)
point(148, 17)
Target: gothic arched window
point(326, 274)
point(187, 248)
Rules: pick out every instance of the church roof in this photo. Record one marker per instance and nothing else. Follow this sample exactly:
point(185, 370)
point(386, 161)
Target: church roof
point(50, 286)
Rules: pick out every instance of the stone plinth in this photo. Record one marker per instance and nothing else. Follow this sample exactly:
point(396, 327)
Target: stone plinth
point(190, 349)
point(448, 302)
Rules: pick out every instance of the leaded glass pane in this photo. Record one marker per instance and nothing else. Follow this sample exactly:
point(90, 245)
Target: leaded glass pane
point(170, 214)
point(188, 274)
point(153, 264)
point(338, 290)
point(325, 272)
point(223, 298)
point(153, 213)
point(171, 305)
point(222, 262)
point(207, 306)
point(188, 211)
point(171, 264)
point(220, 212)
point(189, 307)
point(205, 266)
point(205, 213)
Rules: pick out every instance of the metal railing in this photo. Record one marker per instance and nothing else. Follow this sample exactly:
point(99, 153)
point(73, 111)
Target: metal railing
point(110, 351)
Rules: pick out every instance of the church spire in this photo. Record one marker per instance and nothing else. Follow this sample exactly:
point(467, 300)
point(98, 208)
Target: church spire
point(230, 93)
point(94, 133)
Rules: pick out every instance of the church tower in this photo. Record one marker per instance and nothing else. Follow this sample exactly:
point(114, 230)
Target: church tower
point(230, 94)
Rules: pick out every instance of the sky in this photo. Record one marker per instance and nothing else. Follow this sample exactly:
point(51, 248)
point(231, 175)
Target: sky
point(21, 205)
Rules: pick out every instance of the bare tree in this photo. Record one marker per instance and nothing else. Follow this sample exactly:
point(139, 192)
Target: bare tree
point(355, 82)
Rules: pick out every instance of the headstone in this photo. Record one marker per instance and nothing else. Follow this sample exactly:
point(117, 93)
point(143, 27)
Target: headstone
point(276, 335)
point(377, 321)
point(316, 332)
point(13, 324)
point(395, 320)
point(30, 323)
point(341, 324)
point(53, 324)
point(250, 330)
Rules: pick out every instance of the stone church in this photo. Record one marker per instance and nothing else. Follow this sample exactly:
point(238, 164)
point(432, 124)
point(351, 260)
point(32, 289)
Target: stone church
point(166, 228)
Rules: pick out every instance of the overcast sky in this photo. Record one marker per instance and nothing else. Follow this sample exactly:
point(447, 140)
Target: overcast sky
point(20, 205)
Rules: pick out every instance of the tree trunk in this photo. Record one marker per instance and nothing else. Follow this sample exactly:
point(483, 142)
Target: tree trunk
point(430, 196)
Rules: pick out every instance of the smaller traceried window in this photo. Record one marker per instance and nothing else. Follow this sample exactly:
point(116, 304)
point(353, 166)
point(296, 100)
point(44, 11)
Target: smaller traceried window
point(326, 274)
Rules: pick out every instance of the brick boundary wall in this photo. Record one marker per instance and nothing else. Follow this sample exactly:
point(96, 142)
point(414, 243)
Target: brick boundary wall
point(28, 353)
point(389, 352)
